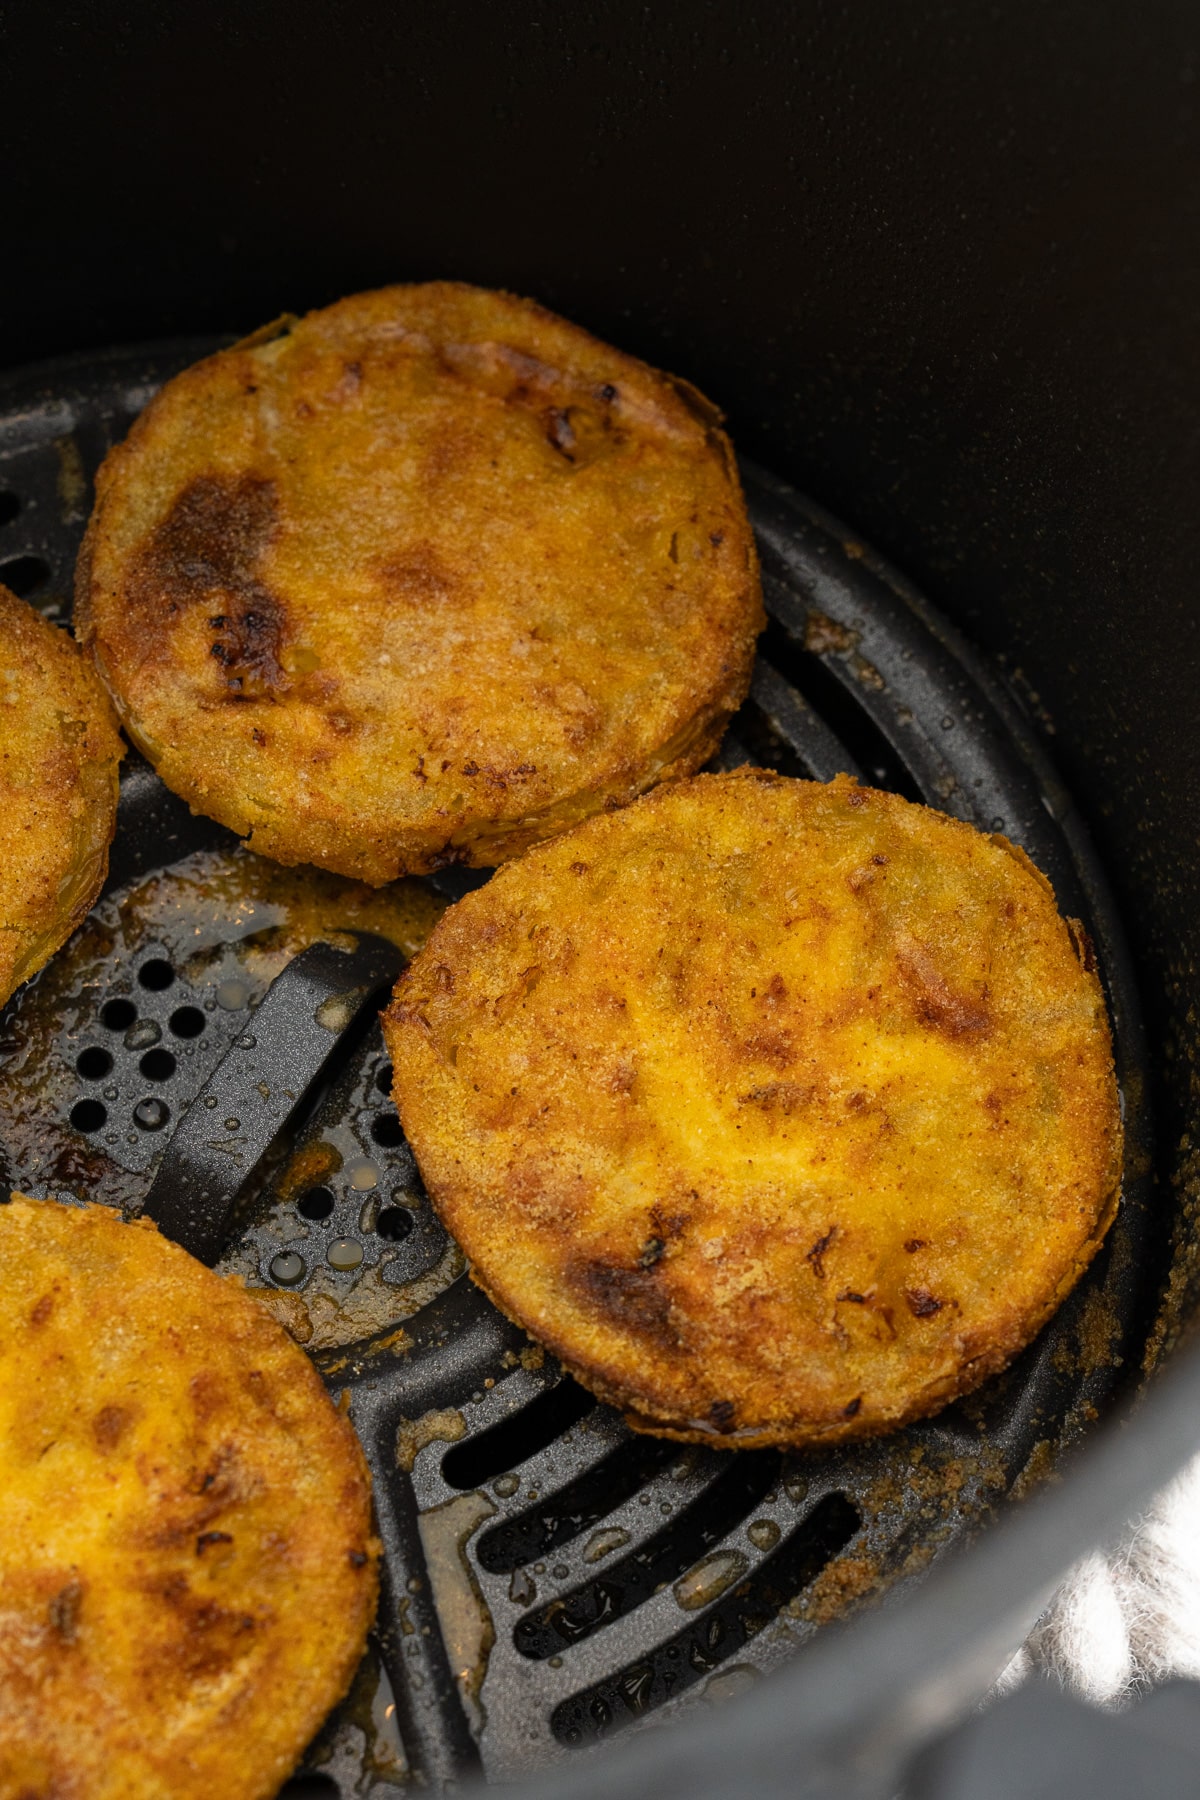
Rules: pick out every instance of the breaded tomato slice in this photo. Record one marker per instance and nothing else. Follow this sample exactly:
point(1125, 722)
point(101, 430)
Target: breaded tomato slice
point(421, 578)
point(781, 1112)
point(187, 1567)
point(59, 751)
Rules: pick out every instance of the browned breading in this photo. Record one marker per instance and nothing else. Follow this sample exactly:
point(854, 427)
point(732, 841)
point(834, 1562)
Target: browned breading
point(59, 751)
point(781, 1112)
point(421, 578)
point(187, 1570)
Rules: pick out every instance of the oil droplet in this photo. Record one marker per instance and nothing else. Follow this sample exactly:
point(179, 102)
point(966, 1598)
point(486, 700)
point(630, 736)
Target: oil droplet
point(603, 1543)
point(287, 1268)
point(363, 1175)
point(796, 1488)
point(335, 1013)
point(556, 1662)
point(151, 1115)
point(210, 1100)
point(463, 1614)
point(142, 1035)
point(232, 994)
point(709, 1579)
point(233, 1124)
point(729, 1683)
point(763, 1534)
point(345, 1253)
point(522, 1589)
point(111, 1091)
point(247, 1041)
point(506, 1485)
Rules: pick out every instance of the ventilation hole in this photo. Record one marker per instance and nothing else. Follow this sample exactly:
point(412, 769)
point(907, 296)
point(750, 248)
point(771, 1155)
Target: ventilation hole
point(187, 1021)
point(151, 1114)
point(157, 1065)
point(317, 1203)
point(156, 975)
point(10, 506)
point(383, 1080)
point(89, 1115)
point(573, 1509)
point(394, 1223)
point(514, 1440)
point(851, 725)
point(25, 575)
point(663, 1558)
point(386, 1131)
point(309, 1787)
point(93, 1064)
point(118, 1015)
point(714, 1635)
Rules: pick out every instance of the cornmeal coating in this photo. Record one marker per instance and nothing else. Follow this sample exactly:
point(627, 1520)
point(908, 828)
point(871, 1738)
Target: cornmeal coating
point(187, 1570)
point(421, 578)
point(782, 1113)
point(59, 752)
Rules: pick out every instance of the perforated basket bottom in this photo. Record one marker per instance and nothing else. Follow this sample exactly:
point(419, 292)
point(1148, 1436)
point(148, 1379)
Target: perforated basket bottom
point(549, 1576)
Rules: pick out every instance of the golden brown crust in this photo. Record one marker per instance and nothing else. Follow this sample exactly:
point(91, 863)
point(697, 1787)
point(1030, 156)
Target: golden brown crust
point(187, 1571)
point(424, 577)
point(782, 1113)
point(59, 751)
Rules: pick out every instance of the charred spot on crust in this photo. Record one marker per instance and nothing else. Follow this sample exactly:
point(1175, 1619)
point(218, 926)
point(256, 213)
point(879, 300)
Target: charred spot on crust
point(1082, 945)
point(64, 1611)
point(850, 1410)
point(419, 575)
point(921, 1303)
point(208, 1538)
point(721, 1414)
point(630, 1297)
point(650, 1252)
point(914, 1244)
point(358, 1558)
point(815, 1255)
point(109, 1425)
point(41, 1312)
point(560, 432)
point(781, 1096)
point(206, 553)
point(935, 1002)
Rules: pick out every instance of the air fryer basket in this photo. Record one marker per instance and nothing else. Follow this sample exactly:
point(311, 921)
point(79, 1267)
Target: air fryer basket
point(941, 266)
point(550, 1577)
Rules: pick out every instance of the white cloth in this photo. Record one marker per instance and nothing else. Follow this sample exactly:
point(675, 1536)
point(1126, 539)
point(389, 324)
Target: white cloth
point(1126, 1618)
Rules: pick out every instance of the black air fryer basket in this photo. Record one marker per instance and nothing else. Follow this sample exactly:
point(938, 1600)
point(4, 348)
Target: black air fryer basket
point(938, 271)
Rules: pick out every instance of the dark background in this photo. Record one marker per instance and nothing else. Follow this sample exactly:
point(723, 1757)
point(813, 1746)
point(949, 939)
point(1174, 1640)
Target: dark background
point(939, 263)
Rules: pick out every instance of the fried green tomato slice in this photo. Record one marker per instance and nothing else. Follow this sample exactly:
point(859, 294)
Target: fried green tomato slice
point(421, 578)
point(782, 1113)
point(187, 1570)
point(59, 752)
